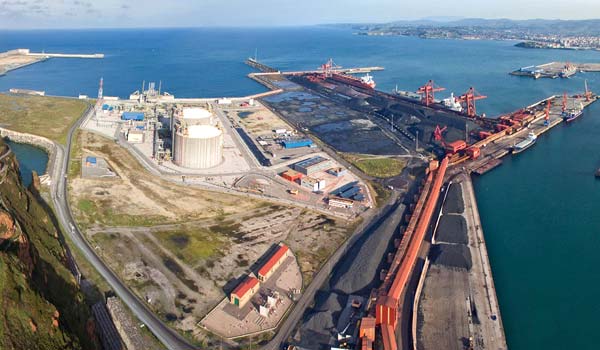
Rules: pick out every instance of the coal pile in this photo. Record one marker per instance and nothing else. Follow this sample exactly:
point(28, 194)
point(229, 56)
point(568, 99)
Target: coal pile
point(319, 324)
point(452, 229)
point(451, 255)
point(454, 201)
point(356, 275)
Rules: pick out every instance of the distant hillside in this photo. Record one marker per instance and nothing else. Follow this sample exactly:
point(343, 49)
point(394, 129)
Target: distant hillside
point(41, 304)
point(590, 27)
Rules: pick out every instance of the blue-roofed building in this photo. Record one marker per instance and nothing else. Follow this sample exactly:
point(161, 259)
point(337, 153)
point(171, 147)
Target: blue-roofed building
point(135, 116)
point(297, 143)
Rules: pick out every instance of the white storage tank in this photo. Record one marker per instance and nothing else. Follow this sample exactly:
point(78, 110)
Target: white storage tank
point(194, 116)
point(198, 146)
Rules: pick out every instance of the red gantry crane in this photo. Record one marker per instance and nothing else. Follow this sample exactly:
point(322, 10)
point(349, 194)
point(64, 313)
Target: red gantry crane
point(468, 99)
point(564, 102)
point(427, 91)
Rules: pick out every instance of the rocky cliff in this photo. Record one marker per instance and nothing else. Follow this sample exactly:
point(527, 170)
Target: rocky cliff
point(41, 304)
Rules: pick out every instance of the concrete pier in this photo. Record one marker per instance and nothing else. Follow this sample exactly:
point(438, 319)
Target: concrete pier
point(66, 55)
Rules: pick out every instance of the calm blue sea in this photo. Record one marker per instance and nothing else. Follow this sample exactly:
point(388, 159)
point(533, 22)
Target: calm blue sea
point(539, 211)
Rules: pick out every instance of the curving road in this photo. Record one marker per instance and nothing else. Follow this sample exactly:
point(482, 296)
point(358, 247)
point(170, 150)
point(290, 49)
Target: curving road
point(171, 339)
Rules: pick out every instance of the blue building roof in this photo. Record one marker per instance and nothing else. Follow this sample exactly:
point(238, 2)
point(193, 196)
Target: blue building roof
point(138, 116)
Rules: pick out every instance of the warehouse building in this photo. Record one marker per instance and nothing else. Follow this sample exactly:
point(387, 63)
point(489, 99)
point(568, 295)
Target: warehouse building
point(135, 136)
point(312, 165)
point(291, 175)
point(288, 144)
point(312, 183)
point(274, 262)
point(340, 202)
point(243, 293)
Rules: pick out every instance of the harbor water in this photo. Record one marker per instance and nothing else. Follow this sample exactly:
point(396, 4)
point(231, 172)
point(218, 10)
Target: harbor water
point(538, 209)
point(30, 159)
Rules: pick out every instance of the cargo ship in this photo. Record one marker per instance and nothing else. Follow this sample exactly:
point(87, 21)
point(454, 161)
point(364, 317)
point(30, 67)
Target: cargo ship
point(525, 144)
point(368, 79)
point(365, 82)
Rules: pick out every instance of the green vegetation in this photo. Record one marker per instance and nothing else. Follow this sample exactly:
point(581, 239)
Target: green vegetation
point(97, 212)
point(381, 167)
point(193, 245)
point(41, 304)
point(50, 117)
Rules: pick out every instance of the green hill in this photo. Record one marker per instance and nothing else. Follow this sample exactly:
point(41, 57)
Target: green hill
point(41, 304)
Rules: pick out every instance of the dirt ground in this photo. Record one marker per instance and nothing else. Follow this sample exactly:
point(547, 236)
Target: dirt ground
point(11, 61)
point(182, 249)
point(259, 122)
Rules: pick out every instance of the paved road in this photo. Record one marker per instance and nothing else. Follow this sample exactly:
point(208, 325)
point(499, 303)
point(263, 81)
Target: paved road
point(171, 339)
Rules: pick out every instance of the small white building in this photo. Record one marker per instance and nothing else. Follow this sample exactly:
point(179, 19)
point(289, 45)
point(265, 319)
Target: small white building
point(135, 136)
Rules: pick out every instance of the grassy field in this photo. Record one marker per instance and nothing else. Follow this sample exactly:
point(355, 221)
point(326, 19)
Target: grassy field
point(193, 245)
point(381, 167)
point(50, 117)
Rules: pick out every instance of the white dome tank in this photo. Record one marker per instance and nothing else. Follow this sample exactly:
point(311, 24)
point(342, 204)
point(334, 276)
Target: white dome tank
point(198, 146)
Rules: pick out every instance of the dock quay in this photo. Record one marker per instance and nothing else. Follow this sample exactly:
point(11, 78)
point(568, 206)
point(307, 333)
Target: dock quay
point(542, 123)
point(20, 58)
point(254, 63)
point(331, 106)
point(555, 70)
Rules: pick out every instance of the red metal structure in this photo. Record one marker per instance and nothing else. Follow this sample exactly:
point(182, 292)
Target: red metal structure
point(588, 93)
point(547, 117)
point(468, 99)
point(427, 91)
point(328, 68)
point(564, 102)
point(438, 134)
point(388, 304)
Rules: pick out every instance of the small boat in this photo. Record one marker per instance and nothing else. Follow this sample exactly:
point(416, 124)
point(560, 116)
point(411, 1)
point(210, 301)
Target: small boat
point(525, 144)
point(597, 174)
point(573, 113)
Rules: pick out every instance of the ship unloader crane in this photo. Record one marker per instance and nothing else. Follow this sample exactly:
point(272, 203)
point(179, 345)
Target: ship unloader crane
point(427, 92)
point(468, 99)
point(458, 147)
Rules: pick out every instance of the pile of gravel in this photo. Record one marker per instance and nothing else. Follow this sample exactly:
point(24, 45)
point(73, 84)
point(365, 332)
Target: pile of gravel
point(454, 201)
point(452, 229)
point(451, 255)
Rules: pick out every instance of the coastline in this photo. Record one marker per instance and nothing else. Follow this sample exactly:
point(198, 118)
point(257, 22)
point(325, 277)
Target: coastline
point(53, 150)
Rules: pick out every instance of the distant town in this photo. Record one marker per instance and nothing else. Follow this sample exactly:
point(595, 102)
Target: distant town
point(540, 34)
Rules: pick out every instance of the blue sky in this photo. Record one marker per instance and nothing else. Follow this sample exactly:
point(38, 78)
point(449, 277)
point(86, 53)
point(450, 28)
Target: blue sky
point(155, 13)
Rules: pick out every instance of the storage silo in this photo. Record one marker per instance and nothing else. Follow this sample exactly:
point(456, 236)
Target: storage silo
point(198, 146)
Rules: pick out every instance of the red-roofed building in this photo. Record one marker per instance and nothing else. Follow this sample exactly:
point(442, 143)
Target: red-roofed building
point(244, 291)
point(273, 263)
